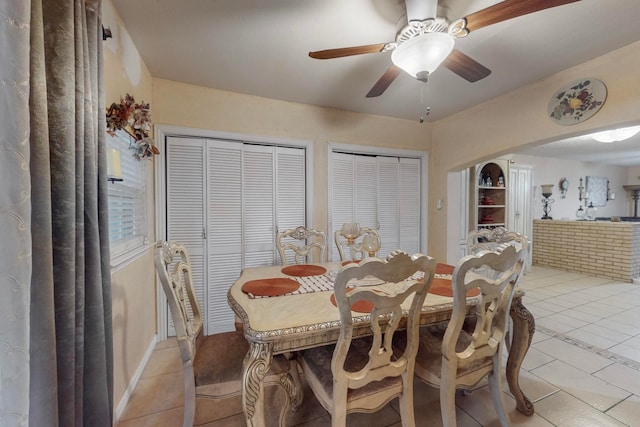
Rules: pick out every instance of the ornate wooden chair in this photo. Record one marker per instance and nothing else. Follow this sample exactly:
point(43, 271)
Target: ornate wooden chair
point(212, 365)
point(460, 353)
point(363, 374)
point(494, 240)
point(355, 242)
point(302, 243)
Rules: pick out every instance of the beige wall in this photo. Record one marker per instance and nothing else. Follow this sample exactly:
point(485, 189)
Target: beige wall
point(519, 118)
point(186, 105)
point(633, 176)
point(133, 285)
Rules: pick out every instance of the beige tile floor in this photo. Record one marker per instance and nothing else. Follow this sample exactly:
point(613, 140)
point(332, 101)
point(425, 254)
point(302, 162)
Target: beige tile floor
point(583, 369)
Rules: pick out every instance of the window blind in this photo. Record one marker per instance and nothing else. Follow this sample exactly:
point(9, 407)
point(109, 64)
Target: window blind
point(127, 199)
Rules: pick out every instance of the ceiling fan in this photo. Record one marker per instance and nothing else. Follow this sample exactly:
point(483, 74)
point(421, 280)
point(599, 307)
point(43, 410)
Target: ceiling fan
point(428, 40)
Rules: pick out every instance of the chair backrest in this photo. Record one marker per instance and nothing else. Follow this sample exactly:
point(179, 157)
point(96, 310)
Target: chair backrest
point(386, 300)
point(174, 271)
point(494, 240)
point(496, 274)
point(353, 249)
point(302, 243)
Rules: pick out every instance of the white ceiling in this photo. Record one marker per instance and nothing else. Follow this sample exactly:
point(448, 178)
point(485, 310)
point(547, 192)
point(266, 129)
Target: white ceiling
point(260, 47)
point(586, 149)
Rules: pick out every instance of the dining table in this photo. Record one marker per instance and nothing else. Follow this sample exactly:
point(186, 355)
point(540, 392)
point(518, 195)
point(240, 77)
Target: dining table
point(284, 309)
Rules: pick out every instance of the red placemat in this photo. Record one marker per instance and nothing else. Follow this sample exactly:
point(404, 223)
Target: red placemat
point(270, 287)
point(360, 306)
point(302, 270)
point(443, 288)
point(444, 268)
point(355, 261)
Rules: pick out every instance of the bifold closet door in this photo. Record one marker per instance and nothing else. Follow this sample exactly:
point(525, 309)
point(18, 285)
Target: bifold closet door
point(225, 202)
point(185, 196)
point(381, 192)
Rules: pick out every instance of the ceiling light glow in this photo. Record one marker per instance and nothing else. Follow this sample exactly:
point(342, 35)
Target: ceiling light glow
point(421, 55)
point(615, 135)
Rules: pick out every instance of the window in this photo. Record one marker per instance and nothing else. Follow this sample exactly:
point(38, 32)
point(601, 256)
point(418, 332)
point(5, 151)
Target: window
point(128, 225)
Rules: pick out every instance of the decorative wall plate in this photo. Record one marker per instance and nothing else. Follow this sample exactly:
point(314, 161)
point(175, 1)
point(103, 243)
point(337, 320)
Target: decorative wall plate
point(577, 102)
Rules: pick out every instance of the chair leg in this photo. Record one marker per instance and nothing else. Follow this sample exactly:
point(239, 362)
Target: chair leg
point(407, 416)
point(497, 390)
point(339, 408)
point(189, 396)
point(448, 394)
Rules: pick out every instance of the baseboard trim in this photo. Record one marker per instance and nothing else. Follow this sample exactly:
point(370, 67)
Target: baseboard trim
point(134, 380)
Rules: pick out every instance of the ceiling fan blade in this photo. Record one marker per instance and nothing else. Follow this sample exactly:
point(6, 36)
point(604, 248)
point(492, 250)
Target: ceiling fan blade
point(466, 67)
point(509, 9)
point(383, 83)
point(347, 51)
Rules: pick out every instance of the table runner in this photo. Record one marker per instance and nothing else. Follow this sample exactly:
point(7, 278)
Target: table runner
point(322, 283)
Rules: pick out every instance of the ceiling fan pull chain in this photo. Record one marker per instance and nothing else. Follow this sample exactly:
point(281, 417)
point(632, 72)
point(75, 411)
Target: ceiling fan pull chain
point(425, 110)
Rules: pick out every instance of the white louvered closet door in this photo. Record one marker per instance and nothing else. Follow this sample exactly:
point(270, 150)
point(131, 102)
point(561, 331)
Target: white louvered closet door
point(388, 205)
point(366, 205)
point(290, 191)
point(258, 199)
point(222, 203)
point(379, 192)
point(342, 196)
point(409, 203)
point(224, 230)
point(186, 206)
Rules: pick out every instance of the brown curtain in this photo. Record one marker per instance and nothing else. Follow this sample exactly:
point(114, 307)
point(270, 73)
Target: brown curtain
point(71, 366)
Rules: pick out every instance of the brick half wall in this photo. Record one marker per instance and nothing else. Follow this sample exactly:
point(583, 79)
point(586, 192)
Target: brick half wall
point(599, 248)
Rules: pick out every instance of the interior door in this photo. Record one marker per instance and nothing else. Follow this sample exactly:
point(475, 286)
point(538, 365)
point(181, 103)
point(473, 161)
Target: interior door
point(519, 207)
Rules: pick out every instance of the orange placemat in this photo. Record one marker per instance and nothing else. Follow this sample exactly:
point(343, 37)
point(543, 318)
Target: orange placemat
point(360, 306)
point(302, 270)
point(443, 288)
point(444, 268)
point(270, 287)
point(355, 261)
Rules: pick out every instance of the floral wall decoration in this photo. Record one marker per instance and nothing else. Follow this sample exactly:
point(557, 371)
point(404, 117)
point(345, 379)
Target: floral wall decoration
point(135, 119)
point(577, 102)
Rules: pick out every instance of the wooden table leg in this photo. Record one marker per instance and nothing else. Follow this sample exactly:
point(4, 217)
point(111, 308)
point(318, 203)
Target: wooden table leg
point(296, 392)
point(523, 328)
point(255, 367)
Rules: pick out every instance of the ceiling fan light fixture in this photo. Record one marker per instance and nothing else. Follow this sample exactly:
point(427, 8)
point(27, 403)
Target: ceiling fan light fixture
point(615, 135)
point(421, 55)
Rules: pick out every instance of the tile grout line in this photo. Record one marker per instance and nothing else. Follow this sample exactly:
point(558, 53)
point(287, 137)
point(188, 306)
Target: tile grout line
point(591, 348)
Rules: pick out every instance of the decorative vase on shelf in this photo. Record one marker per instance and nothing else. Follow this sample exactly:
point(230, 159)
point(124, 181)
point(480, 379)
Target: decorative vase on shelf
point(591, 212)
point(581, 214)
